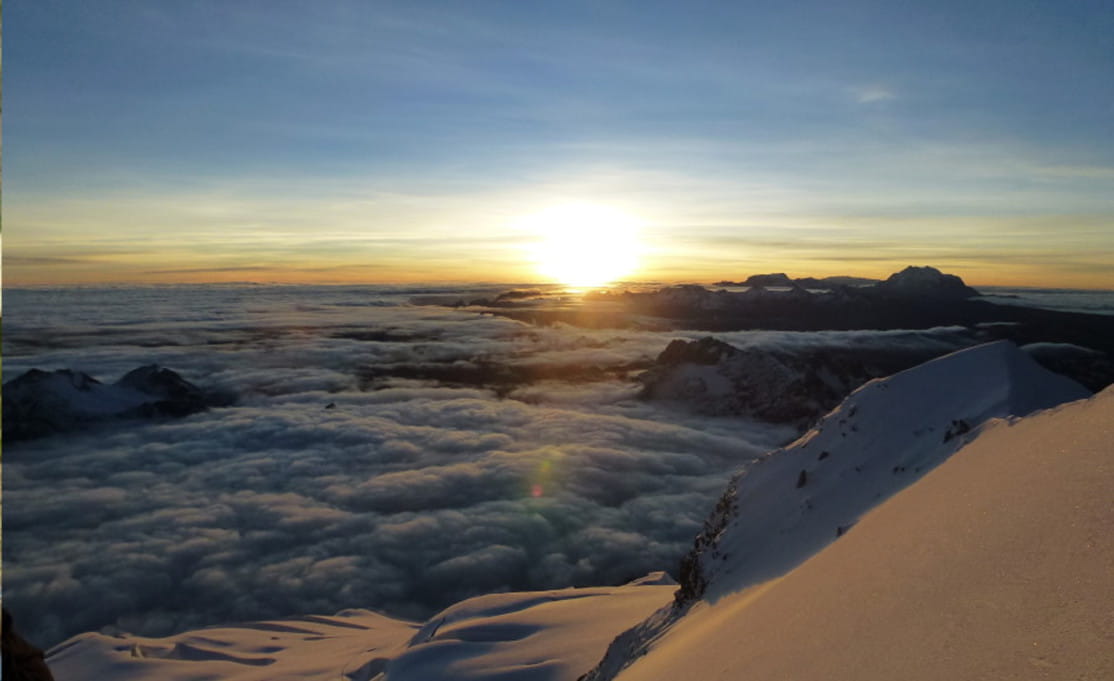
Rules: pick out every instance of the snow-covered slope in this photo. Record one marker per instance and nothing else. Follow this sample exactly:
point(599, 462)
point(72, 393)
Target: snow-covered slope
point(997, 565)
point(796, 500)
point(545, 635)
point(350, 645)
point(789, 504)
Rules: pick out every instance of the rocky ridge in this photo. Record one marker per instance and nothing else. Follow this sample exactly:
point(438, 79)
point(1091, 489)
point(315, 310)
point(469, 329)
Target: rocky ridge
point(40, 403)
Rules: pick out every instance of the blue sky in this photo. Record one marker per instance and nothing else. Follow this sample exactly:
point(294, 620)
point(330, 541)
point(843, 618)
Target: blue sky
point(381, 141)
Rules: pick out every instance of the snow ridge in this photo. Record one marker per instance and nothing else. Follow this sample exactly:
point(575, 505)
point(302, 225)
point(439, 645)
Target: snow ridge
point(794, 501)
point(549, 635)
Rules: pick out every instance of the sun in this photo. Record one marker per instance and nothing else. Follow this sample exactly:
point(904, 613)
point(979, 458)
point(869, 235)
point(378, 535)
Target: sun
point(584, 244)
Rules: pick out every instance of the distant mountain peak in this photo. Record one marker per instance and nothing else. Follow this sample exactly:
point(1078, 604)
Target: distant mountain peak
point(925, 281)
point(39, 403)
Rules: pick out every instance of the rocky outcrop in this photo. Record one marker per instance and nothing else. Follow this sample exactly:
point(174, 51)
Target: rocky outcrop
point(40, 403)
point(769, 384)
point(22, 660)
point(917, 298)
point(776, 279)
point(879, 439)
point(175, 396)
point(924, 282)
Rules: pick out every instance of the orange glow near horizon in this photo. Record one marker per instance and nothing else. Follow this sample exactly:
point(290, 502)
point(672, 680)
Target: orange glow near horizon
point(576, 245)
point(123, 274)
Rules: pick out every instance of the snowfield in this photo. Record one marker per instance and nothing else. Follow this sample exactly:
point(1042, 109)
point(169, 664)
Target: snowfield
point(920, 531)
point(996, 565)
point(536, 635)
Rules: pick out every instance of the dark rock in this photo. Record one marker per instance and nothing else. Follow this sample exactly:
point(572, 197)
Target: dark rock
point(40, 403)
point(957, 428)
point(706, 351)
point(765, 280)
point(22, 661)
point(1092, 368)
point(924, 282)
point(175, 396)
point(690, 574)
point(833, 283)
point(796, 386)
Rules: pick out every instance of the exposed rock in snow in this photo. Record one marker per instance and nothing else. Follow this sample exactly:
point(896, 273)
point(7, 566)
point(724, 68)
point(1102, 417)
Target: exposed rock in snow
point(690, 297)
point(39, 403)
point(799, 385)
point(882, 437)
point(175, 395)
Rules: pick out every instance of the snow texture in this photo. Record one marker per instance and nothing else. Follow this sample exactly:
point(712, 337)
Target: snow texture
point(797, 499)
point(996, 565)
point(537, 636)
point(788, 505)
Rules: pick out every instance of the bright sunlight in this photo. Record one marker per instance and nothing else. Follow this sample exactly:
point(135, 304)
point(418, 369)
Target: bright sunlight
point(584, 244)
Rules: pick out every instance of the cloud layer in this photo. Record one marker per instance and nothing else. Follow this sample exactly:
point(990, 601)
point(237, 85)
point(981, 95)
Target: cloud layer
point(403, 498)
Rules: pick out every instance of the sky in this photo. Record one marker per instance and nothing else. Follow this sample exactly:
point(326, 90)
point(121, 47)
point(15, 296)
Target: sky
point(382, 142)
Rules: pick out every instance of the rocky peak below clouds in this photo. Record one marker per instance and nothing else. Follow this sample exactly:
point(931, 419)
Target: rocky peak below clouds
point(40, 403)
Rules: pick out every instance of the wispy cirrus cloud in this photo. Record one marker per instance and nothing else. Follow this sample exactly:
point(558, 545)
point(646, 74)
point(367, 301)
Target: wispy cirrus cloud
point(870, 94)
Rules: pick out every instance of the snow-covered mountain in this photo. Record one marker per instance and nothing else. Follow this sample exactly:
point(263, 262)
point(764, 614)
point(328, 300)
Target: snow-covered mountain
point(986, 541)
point(774, 384)
point(995, 565)
point(40, 402)
point(789, 505)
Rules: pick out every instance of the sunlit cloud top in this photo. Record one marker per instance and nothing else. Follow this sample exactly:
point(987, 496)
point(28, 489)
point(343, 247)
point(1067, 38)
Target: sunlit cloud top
point(343, 141)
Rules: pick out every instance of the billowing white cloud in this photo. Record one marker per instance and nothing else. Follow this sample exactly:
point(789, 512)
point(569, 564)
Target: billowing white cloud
point(404, 498)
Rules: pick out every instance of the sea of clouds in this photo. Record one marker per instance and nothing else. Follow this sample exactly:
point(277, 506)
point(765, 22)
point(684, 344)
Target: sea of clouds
point(403, 495)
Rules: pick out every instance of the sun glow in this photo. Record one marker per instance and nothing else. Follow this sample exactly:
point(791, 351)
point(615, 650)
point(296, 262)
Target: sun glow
point(584, 244)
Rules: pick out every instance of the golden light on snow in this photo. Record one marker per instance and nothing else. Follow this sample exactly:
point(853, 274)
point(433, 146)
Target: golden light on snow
point(584, 244)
